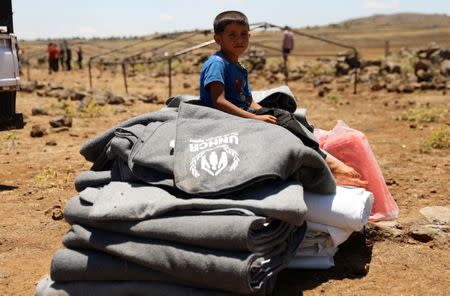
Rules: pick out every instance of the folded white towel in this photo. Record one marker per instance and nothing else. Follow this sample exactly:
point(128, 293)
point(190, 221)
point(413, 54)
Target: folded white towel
point(349, 208)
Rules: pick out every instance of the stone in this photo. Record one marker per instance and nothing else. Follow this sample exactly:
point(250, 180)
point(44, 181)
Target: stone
point(60, 121)
point(27, 87)
point(100, 100)
point(60, 129)
point(382, 230)
point(391, 67)
point(35, 111)
point(186, 85)
point(437, 214)
point(429, 232)
point(323, 91)
point(78, 96)
point(445, 68)
point(115, 100)
point(149, 98)
point(37, 131)
point(51, 143)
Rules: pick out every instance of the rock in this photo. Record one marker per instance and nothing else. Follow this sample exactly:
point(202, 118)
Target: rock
point(424, 85)
point(391, 67)
point(377, 85)
point(423, 75)
point(120, 110)
point(27, 87)
point(437, 214)
point(405, 88)
point(40, 85)
point(317, 82)
point(186, 85)
point(429, 232)
point(52, 87)
point(60, 129)
point(65, 94)
point(323, 91)
point(41, 93)
point(37, 131)
point(78, 96)
point(51, 143)
point(100, 100)
point(382, 230)
point(342, 68)
point(57, 214)
point(422, 64)
point(445, 54)
point(149, 98)
point(38, 111)
point(392, 87)
point(115, 100)
point(445, 68)
point(61, 121)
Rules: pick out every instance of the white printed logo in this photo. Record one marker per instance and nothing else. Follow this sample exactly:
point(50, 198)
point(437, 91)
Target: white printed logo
point(214, 154)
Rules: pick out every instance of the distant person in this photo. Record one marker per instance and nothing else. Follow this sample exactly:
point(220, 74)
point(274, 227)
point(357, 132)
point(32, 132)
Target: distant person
point(62, 55)
point(288, 42)
point(68, 57)
point(80, 58)
point(53, 58)
point(224, 86)
point(20, 58)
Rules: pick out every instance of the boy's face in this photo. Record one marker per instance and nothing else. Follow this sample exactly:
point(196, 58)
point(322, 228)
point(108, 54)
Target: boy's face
point(234, 39)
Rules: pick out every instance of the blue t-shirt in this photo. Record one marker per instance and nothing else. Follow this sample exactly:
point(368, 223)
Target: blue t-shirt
point(233, 76)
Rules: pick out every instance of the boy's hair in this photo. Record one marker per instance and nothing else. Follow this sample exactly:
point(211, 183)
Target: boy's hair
point(225, 18)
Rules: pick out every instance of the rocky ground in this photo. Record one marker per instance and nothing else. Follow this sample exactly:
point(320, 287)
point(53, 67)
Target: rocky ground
point(407, 127)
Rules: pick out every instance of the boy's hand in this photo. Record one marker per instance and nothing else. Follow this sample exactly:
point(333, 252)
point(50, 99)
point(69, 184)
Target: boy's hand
point(266, 118)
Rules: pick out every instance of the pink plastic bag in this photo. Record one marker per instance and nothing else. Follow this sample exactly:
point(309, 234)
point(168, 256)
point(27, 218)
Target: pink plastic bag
point(321, 136)
point(352, 147)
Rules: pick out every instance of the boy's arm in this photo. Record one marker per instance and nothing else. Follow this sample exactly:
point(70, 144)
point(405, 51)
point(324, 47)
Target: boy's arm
point(253, 104)
point(217, 92)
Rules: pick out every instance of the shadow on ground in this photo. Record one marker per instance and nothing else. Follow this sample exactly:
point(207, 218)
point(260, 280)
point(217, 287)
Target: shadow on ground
point(351, 262)
point(7, 187)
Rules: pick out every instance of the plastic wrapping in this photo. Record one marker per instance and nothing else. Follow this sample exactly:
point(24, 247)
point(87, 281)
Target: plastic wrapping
point(352, 147)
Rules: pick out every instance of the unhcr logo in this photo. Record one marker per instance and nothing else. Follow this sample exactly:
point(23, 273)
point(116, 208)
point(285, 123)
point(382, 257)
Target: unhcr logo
point(198, 145)
point(214, 155)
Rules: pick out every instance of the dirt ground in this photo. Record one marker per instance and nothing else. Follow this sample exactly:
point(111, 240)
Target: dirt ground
point(36, 180)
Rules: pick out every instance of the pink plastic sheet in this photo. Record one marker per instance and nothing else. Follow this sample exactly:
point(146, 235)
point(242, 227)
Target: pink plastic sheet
point(352, 147)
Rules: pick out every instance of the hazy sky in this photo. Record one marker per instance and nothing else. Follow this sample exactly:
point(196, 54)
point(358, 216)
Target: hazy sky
point(102, 18)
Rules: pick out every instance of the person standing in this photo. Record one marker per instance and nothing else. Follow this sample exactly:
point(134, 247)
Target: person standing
point(62, 55)
point(80, 58)
point(286, 48)
point(68, 56)
point(53, 58)
point(288, 42)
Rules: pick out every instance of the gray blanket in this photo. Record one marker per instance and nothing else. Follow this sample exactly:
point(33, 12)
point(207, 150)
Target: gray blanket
point(47, 287)
point(229, 155)
point(239, 272)
point(238, 230)
point(130, 202)
point(95, 149)
point(233, 153)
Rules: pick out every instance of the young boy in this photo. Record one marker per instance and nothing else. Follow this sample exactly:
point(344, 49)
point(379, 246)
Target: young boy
point(223, 80)
point(224, 86)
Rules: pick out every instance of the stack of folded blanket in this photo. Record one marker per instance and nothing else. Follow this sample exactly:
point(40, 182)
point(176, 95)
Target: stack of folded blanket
point(193, 201)
point(331, 219)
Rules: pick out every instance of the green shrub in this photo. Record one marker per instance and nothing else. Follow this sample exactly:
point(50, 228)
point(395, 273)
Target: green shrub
point(427, 114)
point(439, 139)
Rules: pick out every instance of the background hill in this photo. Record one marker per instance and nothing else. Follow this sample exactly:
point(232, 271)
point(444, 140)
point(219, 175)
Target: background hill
point(367, 34)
